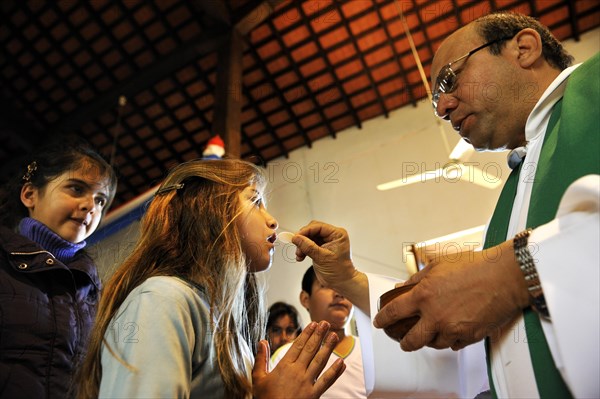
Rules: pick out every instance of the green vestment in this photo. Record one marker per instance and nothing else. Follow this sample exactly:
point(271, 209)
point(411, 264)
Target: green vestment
point(571, 150)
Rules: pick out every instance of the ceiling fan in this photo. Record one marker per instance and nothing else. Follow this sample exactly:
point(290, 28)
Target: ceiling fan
point(456, 169)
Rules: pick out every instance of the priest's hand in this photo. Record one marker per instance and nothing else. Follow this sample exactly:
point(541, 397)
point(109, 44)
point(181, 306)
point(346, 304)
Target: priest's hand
point(460, 298)
point(329, 248)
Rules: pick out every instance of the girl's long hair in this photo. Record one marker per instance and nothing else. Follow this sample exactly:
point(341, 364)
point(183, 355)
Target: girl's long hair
point(189, 231)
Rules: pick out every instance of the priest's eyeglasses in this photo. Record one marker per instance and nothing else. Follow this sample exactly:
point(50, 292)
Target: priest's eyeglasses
point(446, 79)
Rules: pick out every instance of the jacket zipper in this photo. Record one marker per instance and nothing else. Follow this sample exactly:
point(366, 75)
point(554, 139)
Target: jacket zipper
point(32, 253)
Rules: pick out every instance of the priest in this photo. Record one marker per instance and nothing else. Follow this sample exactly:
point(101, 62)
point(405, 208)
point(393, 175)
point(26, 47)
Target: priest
point(505, 82)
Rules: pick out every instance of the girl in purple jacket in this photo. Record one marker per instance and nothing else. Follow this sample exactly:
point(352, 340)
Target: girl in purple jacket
point(48, 285)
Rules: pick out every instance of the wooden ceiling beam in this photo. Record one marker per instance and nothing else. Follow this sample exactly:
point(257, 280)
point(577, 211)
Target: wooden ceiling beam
point(228, 91)
point(255, 13)
point(228, 95)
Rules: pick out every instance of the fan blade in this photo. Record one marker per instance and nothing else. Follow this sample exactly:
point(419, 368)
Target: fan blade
point(483, 178)
point(461, 151)
point(451, 172)
point(418, 178)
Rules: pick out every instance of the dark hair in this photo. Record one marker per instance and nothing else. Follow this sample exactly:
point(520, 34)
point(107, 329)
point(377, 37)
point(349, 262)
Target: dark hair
point(45, 164)
point(279, 309)
point(309, 278)
point(499, 25)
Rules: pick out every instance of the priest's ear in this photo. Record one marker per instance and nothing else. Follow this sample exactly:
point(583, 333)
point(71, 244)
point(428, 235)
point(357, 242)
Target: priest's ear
point(529, 44)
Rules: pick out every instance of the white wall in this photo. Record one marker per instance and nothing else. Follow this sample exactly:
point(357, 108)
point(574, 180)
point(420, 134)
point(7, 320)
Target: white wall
point(335, 182)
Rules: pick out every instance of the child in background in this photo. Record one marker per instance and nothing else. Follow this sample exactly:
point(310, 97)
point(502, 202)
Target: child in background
point(326, 304)
point(283, 325)
point(48, 285)
point(181, 316)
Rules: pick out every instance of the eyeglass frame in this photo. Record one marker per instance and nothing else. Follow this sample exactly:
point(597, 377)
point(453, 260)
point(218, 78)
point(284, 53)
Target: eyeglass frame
point(285, 331)
point(447, 69)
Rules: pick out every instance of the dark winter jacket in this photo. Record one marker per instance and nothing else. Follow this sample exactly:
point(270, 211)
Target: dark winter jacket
point(46, 311)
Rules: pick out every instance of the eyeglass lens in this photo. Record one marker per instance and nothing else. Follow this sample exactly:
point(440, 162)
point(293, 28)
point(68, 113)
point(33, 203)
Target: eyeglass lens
point(444, 83)
point(278, 331)
point(446, 79)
